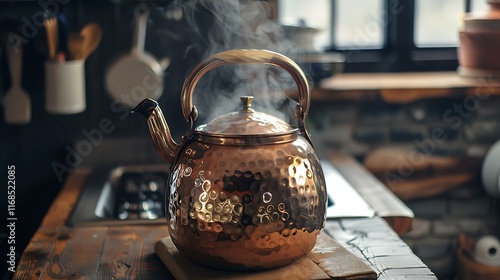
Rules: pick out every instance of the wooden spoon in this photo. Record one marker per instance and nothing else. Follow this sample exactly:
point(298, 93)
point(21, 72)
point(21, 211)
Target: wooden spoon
point(91, 34)
point(75, 42)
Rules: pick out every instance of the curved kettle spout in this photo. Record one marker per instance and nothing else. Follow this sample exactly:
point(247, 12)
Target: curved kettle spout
point(159, 130)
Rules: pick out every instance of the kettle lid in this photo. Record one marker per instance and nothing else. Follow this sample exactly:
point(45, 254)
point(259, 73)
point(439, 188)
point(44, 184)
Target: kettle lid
point(246, 122)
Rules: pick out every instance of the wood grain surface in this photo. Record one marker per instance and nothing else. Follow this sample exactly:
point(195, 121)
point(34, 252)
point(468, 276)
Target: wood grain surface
point(373, 241)
point(94, 253)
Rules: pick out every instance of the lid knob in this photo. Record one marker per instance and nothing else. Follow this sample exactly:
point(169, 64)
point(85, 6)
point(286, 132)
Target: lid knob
point(247, 101)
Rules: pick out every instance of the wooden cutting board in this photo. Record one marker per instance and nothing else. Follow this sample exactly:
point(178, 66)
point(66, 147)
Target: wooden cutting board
point(327, 260)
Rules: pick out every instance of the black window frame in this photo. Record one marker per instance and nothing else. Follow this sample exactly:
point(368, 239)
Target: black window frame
point(399, 52)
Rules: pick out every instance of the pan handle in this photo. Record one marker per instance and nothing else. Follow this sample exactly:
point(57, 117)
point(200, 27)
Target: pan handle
point(141, 13)
point(247, 56)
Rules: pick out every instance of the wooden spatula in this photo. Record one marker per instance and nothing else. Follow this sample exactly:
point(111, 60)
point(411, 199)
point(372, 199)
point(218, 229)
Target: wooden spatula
point(17, 104)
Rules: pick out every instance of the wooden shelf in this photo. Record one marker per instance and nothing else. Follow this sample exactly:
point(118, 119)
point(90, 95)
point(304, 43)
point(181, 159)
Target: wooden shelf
point(402, 88)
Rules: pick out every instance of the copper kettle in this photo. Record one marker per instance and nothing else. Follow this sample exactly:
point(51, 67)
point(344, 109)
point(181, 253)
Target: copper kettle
point(246, 191)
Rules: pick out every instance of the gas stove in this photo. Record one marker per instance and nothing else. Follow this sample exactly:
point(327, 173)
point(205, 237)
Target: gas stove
point(123, 195)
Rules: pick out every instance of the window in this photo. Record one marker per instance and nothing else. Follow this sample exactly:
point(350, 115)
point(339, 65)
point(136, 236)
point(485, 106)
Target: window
point(386, 35)
point(358, 28)
point(479, 6)
point(437, 22)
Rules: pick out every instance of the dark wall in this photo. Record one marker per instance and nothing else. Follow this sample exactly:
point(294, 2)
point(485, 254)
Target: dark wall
point(33, 148)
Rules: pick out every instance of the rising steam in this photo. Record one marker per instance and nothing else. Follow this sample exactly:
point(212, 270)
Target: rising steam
point(243, 24)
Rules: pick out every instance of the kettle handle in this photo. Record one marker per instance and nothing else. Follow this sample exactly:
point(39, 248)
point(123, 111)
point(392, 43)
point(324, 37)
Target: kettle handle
point(247, 56)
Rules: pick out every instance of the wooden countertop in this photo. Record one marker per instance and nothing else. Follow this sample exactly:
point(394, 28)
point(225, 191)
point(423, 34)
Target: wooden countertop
point(127, 252)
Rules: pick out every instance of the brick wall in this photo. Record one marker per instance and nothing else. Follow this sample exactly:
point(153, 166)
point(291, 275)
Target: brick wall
point(467, 127)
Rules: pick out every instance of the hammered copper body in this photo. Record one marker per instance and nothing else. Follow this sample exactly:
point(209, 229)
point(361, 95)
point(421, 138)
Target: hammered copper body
point(246, 191)
point(241, 207)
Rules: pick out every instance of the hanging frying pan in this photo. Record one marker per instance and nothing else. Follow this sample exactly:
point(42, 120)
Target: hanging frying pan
point(137, 75)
